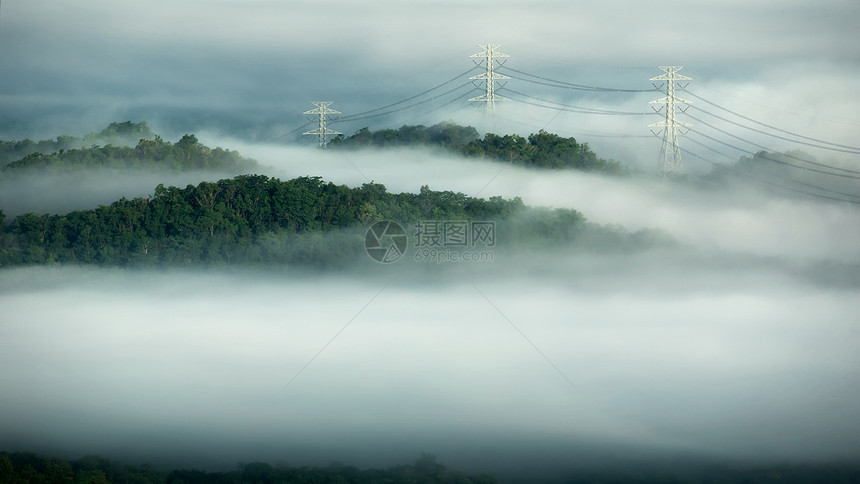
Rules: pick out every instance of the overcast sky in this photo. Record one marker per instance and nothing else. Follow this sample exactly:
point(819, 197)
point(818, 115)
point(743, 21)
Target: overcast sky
point(742, 344)
point(249, 68)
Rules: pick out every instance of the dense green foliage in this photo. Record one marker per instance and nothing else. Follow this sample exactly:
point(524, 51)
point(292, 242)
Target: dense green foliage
point(185, 155)
point(445, 135)
point(253, 219)
point(28, 468)
point(25, 468)
point(250, 218)
point(540, 150)
point(118, 134)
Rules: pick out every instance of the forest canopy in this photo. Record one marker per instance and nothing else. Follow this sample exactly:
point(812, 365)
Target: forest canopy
point(124, 133)
point(28, 468)
point(539, 150)
point(257, 219)
point(254, 219)
point(124, 146)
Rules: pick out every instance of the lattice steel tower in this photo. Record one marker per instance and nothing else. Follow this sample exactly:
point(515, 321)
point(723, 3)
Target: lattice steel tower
point(322, 131)
point(670, 153)
point(489, 56)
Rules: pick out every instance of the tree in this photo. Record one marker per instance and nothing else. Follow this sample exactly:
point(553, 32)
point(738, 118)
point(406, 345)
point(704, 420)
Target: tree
point(187, 141)
point(7, 470)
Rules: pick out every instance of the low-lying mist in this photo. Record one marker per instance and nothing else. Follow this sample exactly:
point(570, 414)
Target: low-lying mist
point(57, 192)
point(740, 344)
point(736, 220)
point(538, 363)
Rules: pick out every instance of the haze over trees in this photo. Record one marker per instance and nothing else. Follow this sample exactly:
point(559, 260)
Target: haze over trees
point(257, 219)
point(793, 173)
point(124, 146)
point(539, 150)
point(118, 133)
point(305, 221)
point(27, 468)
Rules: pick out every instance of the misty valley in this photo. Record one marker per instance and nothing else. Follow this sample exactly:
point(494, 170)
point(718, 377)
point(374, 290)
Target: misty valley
point(269, 242)
point(421, 304)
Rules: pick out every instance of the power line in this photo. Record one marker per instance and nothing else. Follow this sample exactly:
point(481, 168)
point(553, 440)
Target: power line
point(446, 104)
point(810, 185)
point(449, 81)
point(847, 173)
point(703, 145)
point(349, 119)
point(766, 157)
point(625, 136)
point(570, 85)
point(769, 126)
point(573, 109)
point(289, 132)
point(853, 152)
point(746, 175)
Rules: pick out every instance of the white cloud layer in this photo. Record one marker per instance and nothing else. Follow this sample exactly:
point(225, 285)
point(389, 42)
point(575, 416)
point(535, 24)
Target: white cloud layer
point(741, 344)
point(762, 365)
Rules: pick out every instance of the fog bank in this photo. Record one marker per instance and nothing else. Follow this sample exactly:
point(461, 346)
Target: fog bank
point(747, 363)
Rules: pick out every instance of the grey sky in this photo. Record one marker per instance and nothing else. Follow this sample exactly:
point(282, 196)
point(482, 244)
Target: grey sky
point(249, 68)
point(741, 344)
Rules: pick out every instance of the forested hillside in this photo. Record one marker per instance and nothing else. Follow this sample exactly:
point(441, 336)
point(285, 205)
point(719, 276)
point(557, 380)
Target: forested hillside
point(256, 219)
point(27, 468)
point(125, 145)
point(539, 150)
point(118, 134)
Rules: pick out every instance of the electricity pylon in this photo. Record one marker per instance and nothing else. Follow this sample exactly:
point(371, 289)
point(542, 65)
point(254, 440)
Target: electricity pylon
point(489, 56)
point(670, 153)
point(322, 131)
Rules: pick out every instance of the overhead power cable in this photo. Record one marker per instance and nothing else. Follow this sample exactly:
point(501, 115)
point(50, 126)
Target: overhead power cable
point(461, 97)
point(352, 118)
point(810, 185)
point(776, 185)
point(570, 85)
point(774, 160)
point(844, 171)
point(852, 151)
point(573, 109)
point(289, 132)
point(449, 81)
point(770, 126)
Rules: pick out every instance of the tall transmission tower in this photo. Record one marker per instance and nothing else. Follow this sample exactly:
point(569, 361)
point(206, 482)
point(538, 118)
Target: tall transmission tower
point(670, 153)
point(322, 131)
point(489, 56)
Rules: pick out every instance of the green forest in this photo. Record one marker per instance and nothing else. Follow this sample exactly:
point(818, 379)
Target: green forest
point(539, 150)
point(256, 219)
point(124, 133)
point(124, 145)
point(29, 468)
